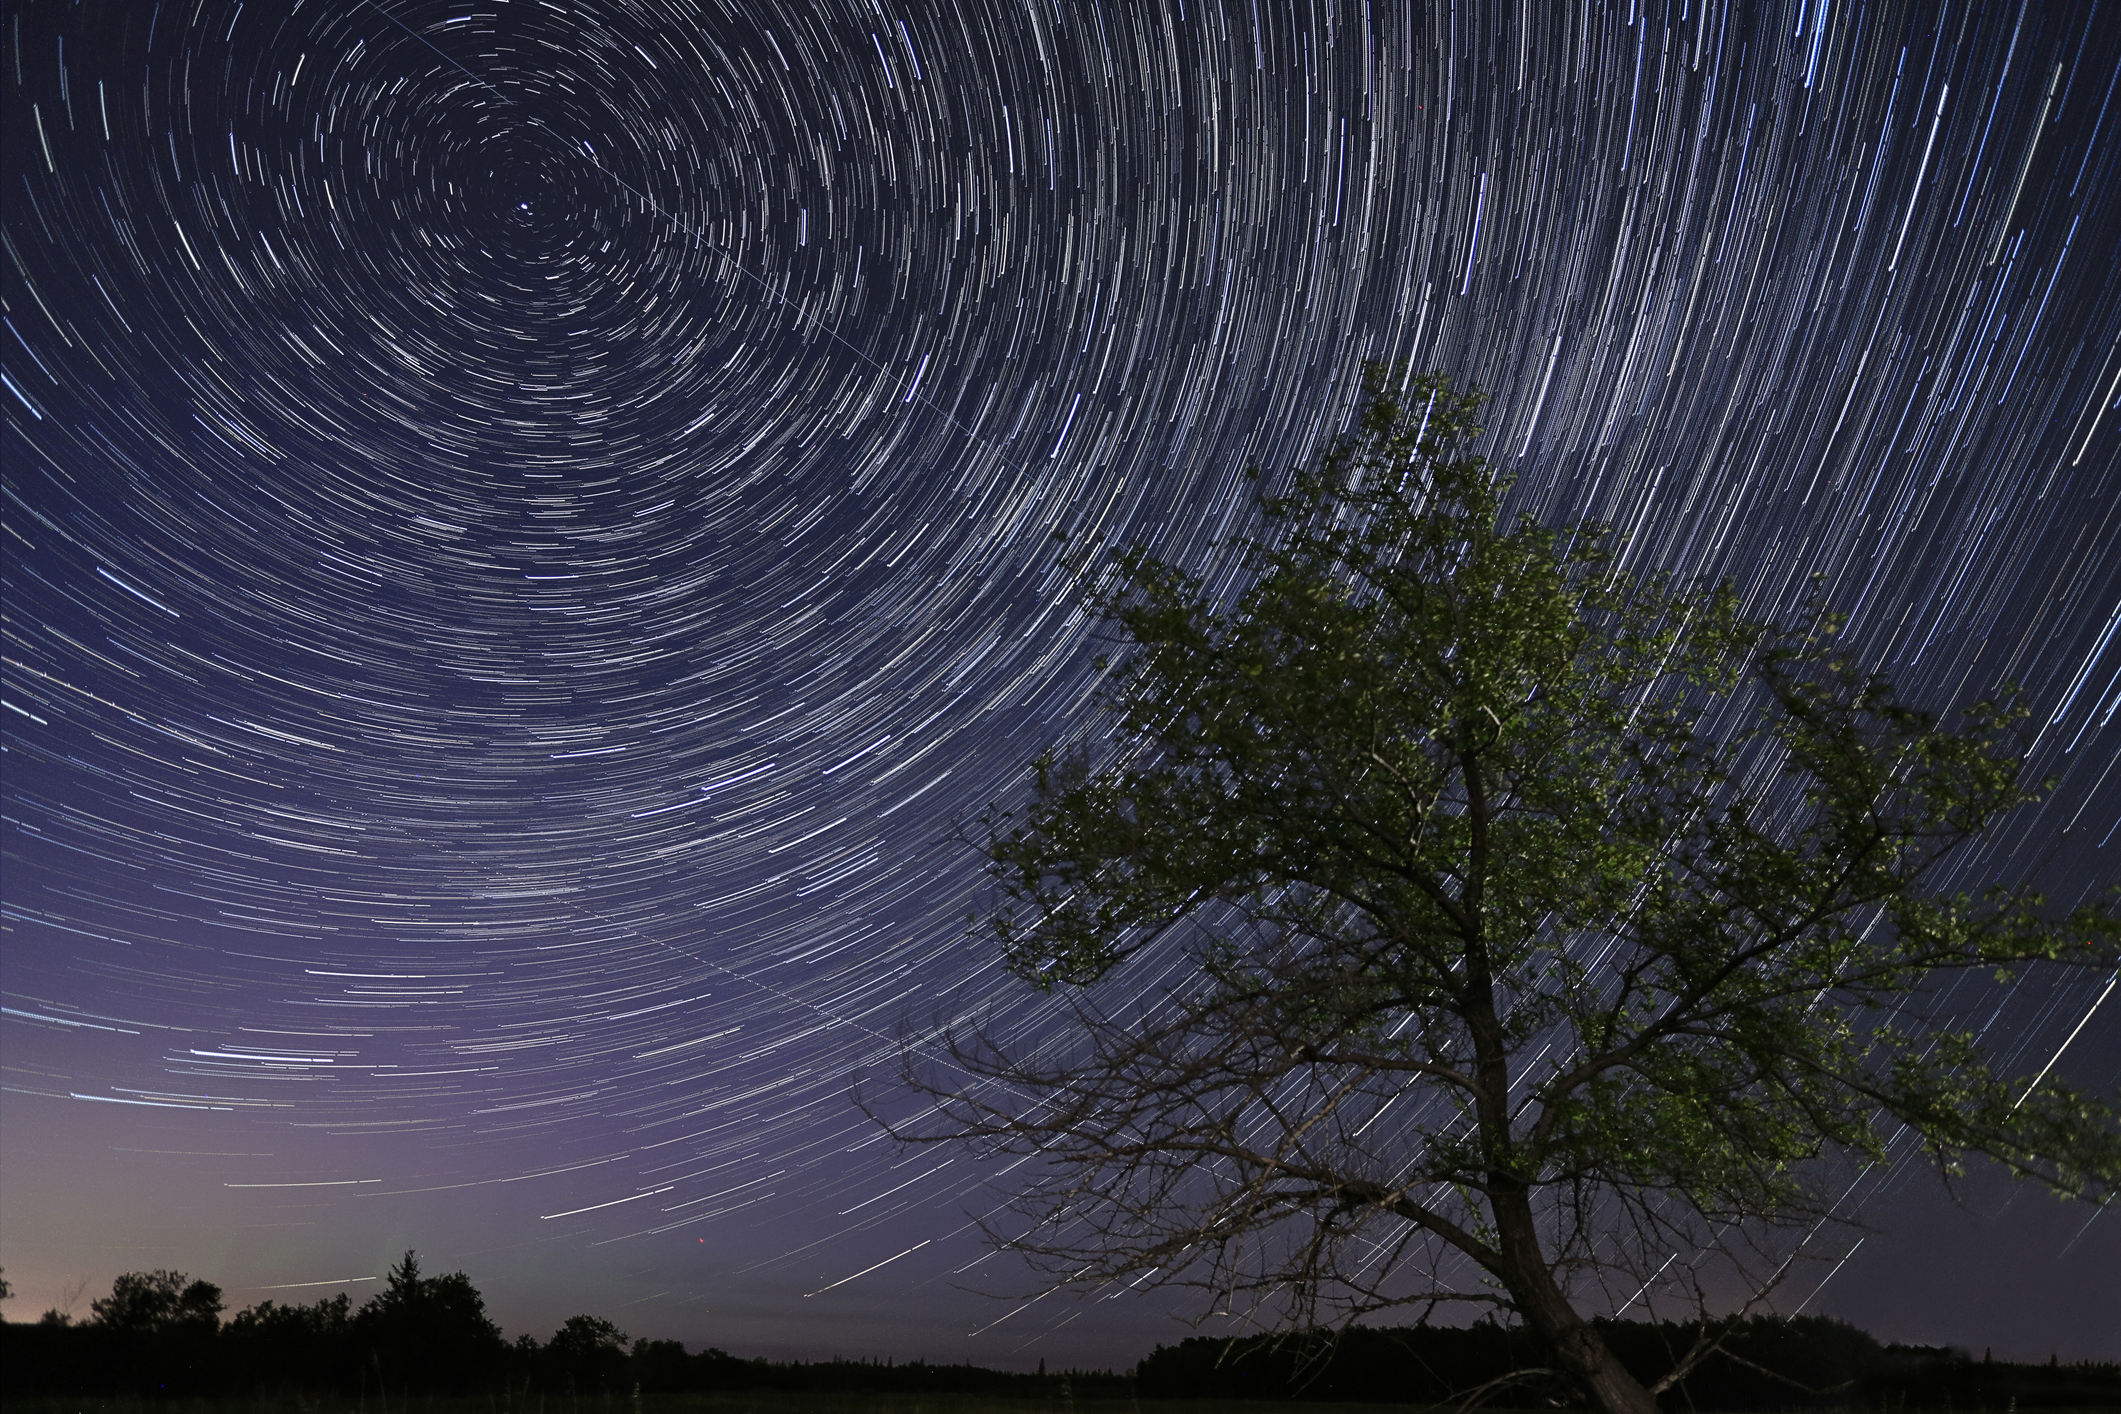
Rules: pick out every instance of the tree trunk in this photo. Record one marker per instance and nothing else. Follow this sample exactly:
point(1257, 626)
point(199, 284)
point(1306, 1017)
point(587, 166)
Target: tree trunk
point(1576, 1344)
point(1578, 1348)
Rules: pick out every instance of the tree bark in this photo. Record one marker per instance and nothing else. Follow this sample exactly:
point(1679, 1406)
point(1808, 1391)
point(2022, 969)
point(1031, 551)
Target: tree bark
point(1577, 1346)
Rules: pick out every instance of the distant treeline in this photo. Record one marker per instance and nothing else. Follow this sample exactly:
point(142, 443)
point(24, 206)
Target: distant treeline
point(1763, 1364)
point(162, 1333)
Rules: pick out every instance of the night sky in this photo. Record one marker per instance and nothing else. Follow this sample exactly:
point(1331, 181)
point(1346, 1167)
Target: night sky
point(530, 525)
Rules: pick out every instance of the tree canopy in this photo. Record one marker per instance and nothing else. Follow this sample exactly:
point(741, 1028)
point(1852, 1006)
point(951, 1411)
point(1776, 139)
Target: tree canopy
point(1540, 927)
point(429, 1332)
point(159, 1301)
point(589, 1351)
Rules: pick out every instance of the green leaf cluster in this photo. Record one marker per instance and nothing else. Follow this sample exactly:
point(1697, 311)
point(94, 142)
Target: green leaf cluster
point(1636, 889)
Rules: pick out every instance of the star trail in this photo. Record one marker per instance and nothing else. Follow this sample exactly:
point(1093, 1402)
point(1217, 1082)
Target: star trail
point(529, 527)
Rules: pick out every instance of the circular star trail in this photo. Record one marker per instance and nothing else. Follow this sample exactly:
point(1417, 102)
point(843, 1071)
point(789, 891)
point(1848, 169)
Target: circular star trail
point(531, 525)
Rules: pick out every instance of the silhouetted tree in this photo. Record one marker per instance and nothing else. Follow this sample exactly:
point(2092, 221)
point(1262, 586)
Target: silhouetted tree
point(662, 1365)
point(159, 1302)
point(587, 1353)
point(273, 1346)
point(1540, 921)
point(155, 1332)
point(428, 1334)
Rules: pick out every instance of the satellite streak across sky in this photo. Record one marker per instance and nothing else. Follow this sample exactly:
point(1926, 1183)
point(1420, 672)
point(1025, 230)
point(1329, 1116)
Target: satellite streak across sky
point(530, 528)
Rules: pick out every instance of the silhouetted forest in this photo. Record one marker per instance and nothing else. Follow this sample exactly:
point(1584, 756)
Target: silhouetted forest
point(163, 1333)
point(1764, 1363)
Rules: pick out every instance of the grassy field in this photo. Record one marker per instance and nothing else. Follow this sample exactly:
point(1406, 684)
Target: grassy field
point(759, 1402)
point(756, 1402)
